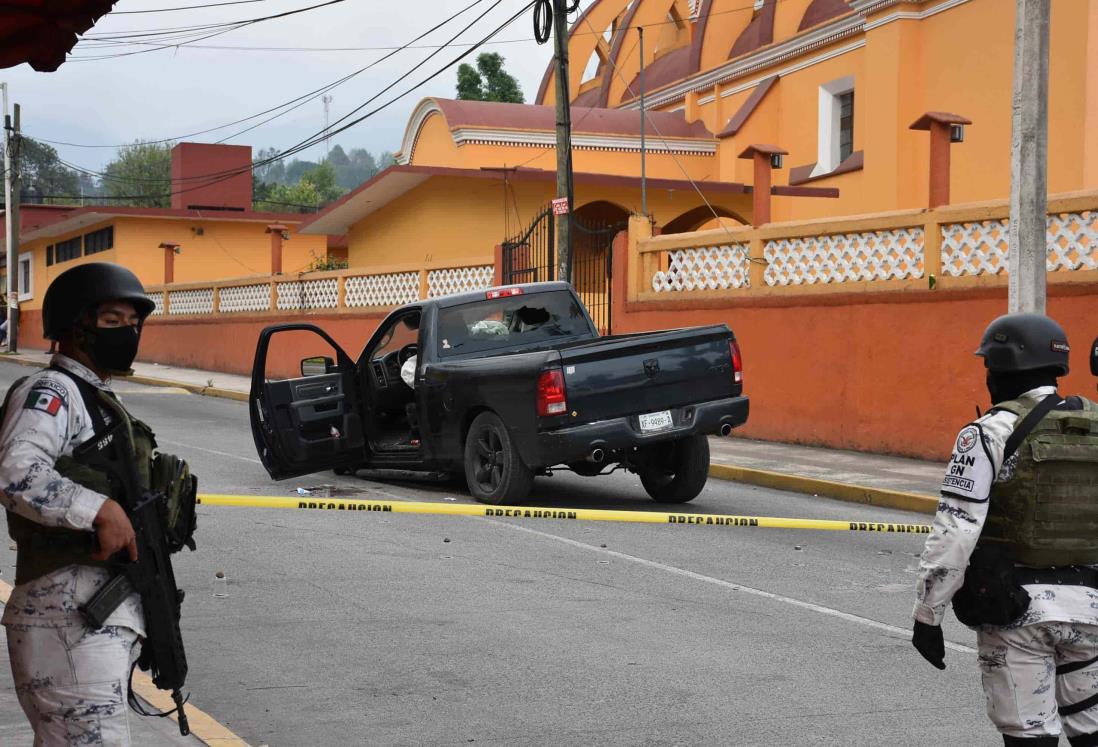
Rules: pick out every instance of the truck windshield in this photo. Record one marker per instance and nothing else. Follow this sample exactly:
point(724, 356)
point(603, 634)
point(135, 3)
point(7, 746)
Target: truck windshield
point(510, 321)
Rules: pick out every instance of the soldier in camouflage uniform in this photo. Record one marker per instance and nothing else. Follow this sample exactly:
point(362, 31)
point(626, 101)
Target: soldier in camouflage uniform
point(71, 680)
point(1015, 542)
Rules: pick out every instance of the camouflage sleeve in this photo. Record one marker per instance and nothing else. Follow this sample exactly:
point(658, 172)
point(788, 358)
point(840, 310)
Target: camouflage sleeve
point(961, 513)
point(43, 416)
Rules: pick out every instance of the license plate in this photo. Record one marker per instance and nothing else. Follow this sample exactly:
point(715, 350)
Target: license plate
point(656, 421)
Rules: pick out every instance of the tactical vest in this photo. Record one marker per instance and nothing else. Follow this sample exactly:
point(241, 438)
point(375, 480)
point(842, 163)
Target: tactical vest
point(1046, 513)
point(43, 550)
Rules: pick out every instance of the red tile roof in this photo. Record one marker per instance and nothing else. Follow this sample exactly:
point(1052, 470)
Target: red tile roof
point(496, 115)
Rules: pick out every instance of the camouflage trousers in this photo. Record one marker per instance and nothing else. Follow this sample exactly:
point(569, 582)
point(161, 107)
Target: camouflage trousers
point(1041, 679)
point(73, 682)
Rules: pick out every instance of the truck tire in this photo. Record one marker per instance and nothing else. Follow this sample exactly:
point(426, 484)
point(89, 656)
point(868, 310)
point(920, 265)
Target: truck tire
point(494, 471)
point(680, 473)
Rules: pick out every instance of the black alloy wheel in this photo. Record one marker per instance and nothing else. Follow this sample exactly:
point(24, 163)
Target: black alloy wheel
point(494, 471)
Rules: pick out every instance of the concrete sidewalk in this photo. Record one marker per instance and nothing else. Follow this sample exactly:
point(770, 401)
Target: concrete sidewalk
point(892, 482)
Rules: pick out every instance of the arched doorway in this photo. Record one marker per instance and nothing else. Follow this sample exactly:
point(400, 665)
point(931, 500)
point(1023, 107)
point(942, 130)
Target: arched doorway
point(594, 227)
point(696, 218)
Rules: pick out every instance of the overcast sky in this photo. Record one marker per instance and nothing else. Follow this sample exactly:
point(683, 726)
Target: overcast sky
point(172, 92)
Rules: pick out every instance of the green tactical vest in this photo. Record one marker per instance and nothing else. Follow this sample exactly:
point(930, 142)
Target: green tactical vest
point(43, 550)
point(1046, 514)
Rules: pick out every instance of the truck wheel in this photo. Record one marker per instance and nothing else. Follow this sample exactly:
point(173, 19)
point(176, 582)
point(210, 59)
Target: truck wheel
point(494, 470)
point(680, 473)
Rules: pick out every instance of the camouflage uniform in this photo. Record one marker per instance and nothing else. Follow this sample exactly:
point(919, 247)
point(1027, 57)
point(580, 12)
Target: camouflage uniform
point(1047, 660)
point(72, 681)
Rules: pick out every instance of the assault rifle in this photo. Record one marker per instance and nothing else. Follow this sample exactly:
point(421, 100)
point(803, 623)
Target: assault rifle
point(151, 574)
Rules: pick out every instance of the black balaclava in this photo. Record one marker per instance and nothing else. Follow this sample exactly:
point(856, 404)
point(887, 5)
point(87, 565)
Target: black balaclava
point(1007, 385)
point(111, 349)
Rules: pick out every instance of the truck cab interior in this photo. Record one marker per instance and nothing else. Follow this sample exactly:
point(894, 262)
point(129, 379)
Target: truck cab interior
point(390, 396)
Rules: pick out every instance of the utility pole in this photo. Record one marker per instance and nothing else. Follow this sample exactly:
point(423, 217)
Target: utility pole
point(10, 263)
point(1029, 159)
point(11, 220)
point(644, 179)
point(327, 144)
point(564, 141)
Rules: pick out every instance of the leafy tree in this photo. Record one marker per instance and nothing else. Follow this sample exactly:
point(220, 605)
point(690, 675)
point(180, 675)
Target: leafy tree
point(338, 158)
point(489, 81)
point(315, 189)
point(42, 171)
point(141, 174)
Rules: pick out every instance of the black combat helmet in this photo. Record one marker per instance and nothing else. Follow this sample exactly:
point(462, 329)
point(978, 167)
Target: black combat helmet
point(85, 286)
point(1024, 342)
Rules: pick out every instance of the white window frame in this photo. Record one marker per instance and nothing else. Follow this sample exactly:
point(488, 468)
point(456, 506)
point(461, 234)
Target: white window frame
point(827, 157)
point(28, 258)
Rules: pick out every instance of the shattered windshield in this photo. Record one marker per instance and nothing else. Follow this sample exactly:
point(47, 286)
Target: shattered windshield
point(509, 321)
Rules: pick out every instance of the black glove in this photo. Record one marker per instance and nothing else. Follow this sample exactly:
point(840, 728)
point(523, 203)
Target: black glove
point(928, 641)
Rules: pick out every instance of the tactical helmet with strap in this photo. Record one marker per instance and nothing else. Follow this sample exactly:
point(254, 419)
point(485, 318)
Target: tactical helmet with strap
point(82, 288)
point(1024, 342)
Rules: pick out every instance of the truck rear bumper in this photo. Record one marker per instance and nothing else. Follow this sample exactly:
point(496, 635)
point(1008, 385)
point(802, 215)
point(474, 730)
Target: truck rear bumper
point(572, 444)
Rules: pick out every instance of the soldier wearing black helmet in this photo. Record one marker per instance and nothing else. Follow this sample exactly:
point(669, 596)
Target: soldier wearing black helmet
point(1014, 545)
point(71, 680)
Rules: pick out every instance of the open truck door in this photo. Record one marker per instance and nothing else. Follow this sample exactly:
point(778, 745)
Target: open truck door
point(305, 419)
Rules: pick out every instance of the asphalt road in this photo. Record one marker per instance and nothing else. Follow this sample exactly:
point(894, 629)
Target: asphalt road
point(390, 629)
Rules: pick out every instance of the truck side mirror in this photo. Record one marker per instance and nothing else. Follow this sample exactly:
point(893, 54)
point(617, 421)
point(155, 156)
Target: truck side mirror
point(318, 365)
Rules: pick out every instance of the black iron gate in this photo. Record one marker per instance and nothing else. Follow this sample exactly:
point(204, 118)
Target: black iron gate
point(530, 257)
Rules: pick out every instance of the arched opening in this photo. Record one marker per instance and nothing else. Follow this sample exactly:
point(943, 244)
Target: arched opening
point(702, 217)
point(593, 231)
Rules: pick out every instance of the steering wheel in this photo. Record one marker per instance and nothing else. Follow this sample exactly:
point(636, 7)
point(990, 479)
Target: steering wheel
point(407, 352)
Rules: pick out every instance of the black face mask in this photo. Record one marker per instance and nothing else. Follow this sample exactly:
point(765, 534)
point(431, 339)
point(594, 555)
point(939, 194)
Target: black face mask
point(1004, 386)
point(114, 348)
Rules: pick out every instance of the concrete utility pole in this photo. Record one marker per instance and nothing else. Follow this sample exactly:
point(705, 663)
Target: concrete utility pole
point(644, 175)
point(10, 263)
point(1029, 158)
point(564, 141)
point(12, 180)
point(327, 144)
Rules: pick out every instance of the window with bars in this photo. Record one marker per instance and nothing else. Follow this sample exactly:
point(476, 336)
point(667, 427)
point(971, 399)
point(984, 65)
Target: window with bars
point(63, 251)
point(99, 241)
point(846, 125)
point(49, 255)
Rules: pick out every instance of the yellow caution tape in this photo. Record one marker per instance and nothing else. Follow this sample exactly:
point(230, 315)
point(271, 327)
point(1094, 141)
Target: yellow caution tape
point(580, 514)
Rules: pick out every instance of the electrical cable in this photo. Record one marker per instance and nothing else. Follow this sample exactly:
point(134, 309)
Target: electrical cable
point(318, 137)
point(314, 93)
point(186, 7)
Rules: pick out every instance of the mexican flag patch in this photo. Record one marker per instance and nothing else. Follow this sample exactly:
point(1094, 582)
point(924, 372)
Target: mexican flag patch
point(44, 400)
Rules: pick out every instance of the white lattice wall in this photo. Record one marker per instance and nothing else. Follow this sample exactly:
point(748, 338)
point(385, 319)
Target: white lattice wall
point(982, 247)
point(391, 289)
point(459, 280)
point(977, 248)
point(199, 301)
point(158, 303)
point(872, 255)
point(705, 268)
point(308, 294)
point(245, 298)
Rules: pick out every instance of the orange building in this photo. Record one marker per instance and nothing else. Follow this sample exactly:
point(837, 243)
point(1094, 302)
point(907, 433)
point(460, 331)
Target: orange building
point(209, 233)
point(838, 84)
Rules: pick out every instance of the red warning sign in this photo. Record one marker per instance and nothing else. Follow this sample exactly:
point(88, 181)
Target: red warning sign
point(560, 206)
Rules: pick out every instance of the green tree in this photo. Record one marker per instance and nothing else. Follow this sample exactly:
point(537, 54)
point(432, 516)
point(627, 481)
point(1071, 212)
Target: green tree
point(140, 175)
point(43, 173)
point(489, 81)
point(316, 189)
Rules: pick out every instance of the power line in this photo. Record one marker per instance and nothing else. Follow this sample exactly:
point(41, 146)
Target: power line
point(313, 139)
point(186, 7)
point(311, 95)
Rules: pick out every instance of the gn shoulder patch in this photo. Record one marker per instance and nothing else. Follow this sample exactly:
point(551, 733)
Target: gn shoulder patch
point(46, 396)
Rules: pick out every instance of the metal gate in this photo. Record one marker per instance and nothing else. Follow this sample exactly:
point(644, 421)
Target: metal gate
point(530, 257)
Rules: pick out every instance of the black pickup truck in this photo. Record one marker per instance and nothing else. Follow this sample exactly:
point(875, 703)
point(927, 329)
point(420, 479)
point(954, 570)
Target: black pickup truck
point(499, 386)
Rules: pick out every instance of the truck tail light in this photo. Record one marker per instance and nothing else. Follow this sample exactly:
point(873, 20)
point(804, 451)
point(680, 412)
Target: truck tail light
point(502, 293)
point(737, 362)
point(552, 398)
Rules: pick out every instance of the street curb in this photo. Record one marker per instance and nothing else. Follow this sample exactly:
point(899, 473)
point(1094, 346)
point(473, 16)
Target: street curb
point(882, 497)
point(208, 391)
